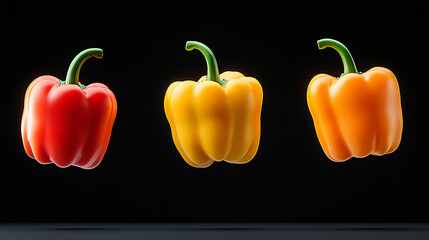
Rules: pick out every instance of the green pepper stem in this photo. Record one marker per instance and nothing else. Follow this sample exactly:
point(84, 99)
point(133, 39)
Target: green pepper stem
point(212, 68)
point(349, 64)
point(76, 64)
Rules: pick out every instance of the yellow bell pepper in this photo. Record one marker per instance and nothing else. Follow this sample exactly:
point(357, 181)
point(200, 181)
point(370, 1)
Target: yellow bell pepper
point(216, 118)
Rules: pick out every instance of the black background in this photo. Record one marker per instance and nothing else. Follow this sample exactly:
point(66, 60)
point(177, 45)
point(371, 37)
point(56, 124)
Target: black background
point(143, 177)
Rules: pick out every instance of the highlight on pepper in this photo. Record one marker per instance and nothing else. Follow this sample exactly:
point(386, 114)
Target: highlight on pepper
point(216, 118)
point(356, 114)
point(65, 122)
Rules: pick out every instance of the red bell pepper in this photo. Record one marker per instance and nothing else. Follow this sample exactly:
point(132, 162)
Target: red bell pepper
point(65, 122)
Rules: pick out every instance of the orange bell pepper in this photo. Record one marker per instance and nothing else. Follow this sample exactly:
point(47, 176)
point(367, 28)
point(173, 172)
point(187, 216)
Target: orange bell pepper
point(357, 114)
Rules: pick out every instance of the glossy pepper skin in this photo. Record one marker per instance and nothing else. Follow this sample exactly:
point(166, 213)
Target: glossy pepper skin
point(216, 118)
point(66, 123)
point(357, 114)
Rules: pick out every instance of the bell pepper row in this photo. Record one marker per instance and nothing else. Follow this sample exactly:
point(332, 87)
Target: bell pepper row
point(216, 118)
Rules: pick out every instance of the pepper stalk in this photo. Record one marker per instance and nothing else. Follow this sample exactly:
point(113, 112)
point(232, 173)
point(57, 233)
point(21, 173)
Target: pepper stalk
point(74, 68)
point(212, 68)
point(346, 57)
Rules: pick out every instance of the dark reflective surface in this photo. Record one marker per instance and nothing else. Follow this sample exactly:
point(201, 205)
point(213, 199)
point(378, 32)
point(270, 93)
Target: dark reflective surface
point(209, 231)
